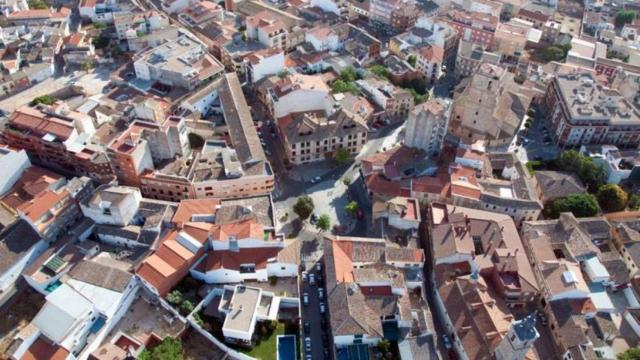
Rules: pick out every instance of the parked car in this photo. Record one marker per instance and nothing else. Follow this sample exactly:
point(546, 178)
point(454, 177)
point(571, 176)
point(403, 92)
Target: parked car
point(323, 323)
point(305, 276)
point(307, 326)
point(447, 341)
point(305, 299)
point(307, 344)
point(313, 219)
point(316, 179)
point(322, 308)
point(543, 319)
point(320, 293)
point(318, 266)
point(312, 279)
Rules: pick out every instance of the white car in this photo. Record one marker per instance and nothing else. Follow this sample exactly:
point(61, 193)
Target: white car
point(307, 344)
point(312, 279)
point(305, 299)
point(322, 308)
point(320, 293)
point(316, 179)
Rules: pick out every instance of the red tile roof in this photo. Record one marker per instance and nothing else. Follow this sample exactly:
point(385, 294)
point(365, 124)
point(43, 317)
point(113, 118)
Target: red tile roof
point(188, 208)
point(40, 123)
point(232, 260)
point(41, 349)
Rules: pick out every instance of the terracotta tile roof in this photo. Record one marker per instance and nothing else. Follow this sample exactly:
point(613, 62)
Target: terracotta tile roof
point(40, 123)
point(432, 53)
point(41, 349)
point(460, 230)
point(243, 230)
point(227, 259)
point(431, 185)
point(42, 203)
point(188, 208)
point(480, 318)
point(33, 181)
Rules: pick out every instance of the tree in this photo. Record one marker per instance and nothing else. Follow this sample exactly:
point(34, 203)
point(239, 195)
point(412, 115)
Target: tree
point(340, 86)
point(625, 17)
point(351, 207)
point(175, 297)
point(380, 71)
point(87, 65)
point(195, 141)
point(412, 60)
point(552, 53)
point(384, 345)
point(611, 197)
point(100, 42)
point(324, 222)
point(341, 156)
point(581, 205)
point(37, 4)
point(99, 26)
point(634, 201)
point(283, 73)
point(186, 307)
point(349, 74)
point(630, 354)
point(43, 99)
point(168, 349)
point(304, 207)
point(591, 174)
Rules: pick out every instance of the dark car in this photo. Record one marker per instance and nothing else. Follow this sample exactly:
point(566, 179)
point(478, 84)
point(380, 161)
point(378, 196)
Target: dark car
point(447, 342)
point(307, 326)
point(313, 219)
point(323, 323)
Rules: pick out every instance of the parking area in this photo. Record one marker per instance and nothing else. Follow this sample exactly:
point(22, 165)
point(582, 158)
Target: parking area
point(316, 342)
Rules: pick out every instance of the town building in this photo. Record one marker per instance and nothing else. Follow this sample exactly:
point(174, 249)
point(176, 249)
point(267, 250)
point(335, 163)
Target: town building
point(295, 93)
point(583, 112)
point(483, 243)
point(395, 102)
point(470, 56)
point(57, 137)
point(183, 63)
point(429, 62)
point(263, 63)
point(79, 313)
point(399, 14)
point(553, 185)
point(476, 27)
point(268, 29)
point(314, 136)
point(427, 125)
point(488, 107)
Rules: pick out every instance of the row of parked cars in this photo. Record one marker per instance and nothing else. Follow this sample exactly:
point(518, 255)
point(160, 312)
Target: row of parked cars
point(314, 280)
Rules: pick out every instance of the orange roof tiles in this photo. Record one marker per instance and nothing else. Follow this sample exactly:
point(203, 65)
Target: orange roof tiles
point(242, 230)
point(40, 123)
point(233, 259)
point(42, 203)
point(342, 259)
point(33, 181)
point(188, 208)
point(43, 350)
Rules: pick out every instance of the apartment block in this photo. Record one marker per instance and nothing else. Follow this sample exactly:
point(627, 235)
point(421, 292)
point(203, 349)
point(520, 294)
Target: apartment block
point(427, 125)
point(183, 62)
point(314, 136)
point(57, 137)
point(582, 112)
